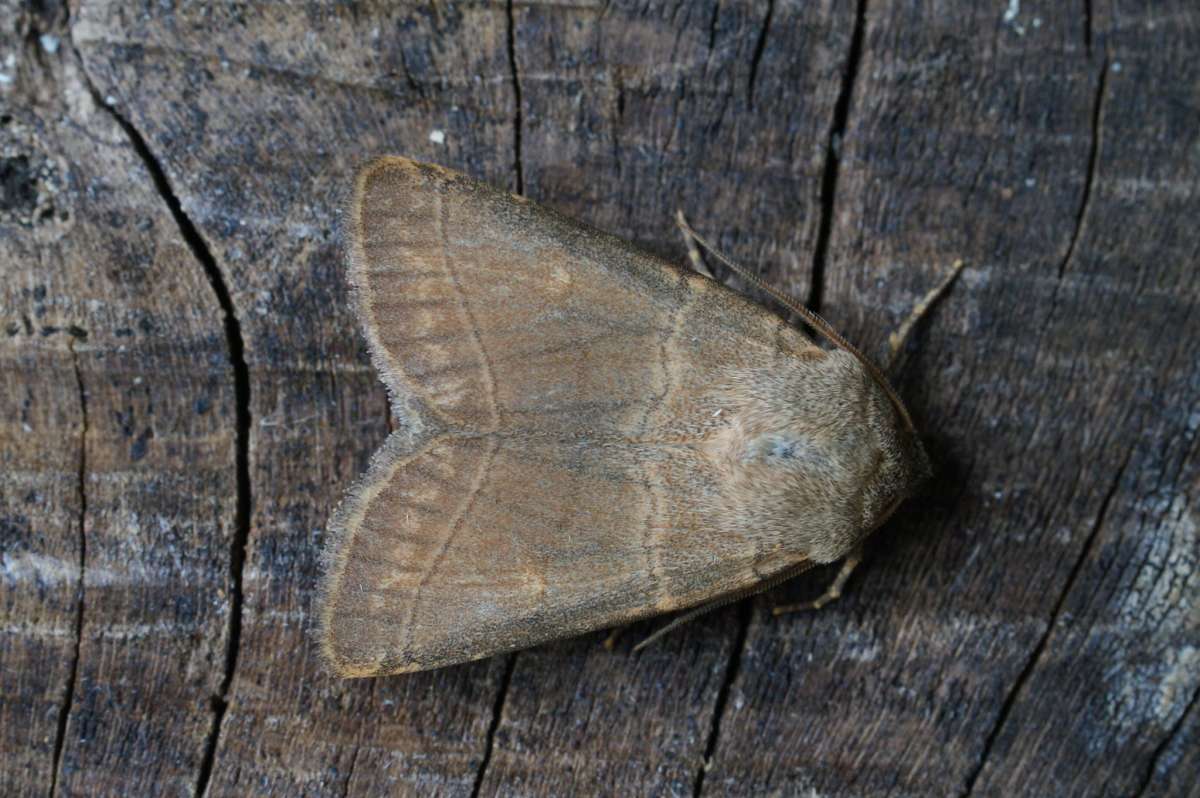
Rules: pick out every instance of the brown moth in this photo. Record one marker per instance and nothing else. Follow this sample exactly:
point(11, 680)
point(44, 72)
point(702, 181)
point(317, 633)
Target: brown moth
point(591, 435)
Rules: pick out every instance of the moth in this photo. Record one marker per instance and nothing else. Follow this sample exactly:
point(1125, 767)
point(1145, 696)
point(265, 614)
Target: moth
point(590, 435)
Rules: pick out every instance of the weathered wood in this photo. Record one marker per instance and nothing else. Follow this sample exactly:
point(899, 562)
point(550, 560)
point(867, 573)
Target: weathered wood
point(118, 449)
point(1029, 628)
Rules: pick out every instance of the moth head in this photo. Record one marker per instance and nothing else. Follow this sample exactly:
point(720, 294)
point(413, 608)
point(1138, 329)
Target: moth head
point(902, 467)
point(817, 455)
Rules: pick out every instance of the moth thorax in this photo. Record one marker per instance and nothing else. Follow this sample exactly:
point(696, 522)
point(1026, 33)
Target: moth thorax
point(817, 459)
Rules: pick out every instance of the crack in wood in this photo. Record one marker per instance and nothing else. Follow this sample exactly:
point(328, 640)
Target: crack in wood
point(1087, 27)
point(387, 413)
point(829, 177)
point(1084, 204)
point(350, 770)
point(759, 46)
point(497, 712)
point(1089, 179)
point(731, 672)
point(69, 693)
point(1035, 657)
point(413, 86)
point(518, 165)
point(712, 38)
point(1161, 749)
point(241, 377)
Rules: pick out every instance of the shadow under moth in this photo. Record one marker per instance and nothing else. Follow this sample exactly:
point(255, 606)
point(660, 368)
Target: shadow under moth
point(590, 435)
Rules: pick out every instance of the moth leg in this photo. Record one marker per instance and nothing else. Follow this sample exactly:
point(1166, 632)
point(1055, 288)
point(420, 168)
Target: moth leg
point(725, 601)
point(834, 591)
point(693, 251)
point(680, 620)
point(897, 339)
point(610, 642)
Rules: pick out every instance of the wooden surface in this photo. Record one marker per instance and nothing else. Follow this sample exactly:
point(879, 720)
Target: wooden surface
point(185, 395)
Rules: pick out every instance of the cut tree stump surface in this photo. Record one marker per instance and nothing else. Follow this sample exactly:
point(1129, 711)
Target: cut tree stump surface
point(185, 395)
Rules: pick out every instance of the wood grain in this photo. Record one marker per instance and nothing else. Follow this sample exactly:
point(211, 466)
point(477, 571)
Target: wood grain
point(118, 443)
point(1029, 629)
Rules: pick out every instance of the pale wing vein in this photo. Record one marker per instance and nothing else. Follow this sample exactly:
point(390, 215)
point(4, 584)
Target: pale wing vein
point(468, 502)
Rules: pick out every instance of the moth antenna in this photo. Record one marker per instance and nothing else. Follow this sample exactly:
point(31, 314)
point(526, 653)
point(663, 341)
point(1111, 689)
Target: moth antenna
point(897, 339)
point(704, 609)
point(690, 241)
point(815, 321)
point(690, 615)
